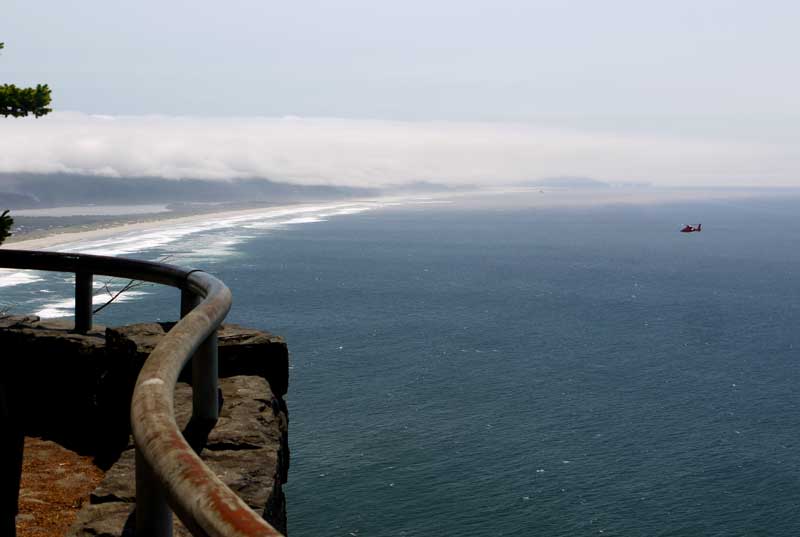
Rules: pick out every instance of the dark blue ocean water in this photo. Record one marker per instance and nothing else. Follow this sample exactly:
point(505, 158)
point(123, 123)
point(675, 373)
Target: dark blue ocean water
point(518, 371)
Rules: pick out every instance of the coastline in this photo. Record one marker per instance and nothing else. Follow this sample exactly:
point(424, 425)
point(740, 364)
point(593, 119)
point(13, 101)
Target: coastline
point(551, 198)
point(54, 238)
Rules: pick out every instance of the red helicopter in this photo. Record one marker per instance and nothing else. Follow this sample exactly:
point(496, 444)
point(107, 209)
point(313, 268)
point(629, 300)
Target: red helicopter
point(691, 229)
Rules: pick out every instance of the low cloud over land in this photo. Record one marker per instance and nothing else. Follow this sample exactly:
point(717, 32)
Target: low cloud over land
point(374, 153)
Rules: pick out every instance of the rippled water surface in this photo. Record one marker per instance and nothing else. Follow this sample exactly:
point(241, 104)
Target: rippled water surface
point(522, 371)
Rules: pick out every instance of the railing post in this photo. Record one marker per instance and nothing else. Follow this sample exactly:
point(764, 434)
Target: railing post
point(153, 515)
point(205, 371)
point(83, 302)
point(205, 385)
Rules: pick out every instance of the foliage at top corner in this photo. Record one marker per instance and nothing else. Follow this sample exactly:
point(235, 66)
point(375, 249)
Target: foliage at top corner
point(5, 226)
point(21, 102)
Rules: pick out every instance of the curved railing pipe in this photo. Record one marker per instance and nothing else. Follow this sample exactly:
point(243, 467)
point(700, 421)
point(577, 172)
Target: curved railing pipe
point(168, 471)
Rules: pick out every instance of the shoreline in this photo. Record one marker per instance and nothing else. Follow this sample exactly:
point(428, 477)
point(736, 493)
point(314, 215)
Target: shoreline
point(55, 237)
point(60, 236)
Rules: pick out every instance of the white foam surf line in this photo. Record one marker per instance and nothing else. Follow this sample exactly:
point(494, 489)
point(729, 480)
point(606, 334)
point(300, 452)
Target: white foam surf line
point(11, 278)
point(154, 235)
point(140, 241)
point(321, 216)
point(66, 307)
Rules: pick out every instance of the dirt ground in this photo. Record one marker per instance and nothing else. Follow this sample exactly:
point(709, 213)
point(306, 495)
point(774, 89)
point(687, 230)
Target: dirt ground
point(55, 484)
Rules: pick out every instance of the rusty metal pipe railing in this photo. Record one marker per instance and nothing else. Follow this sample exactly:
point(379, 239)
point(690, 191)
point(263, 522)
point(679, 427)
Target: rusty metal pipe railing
point(168, 470)
point(205, 371)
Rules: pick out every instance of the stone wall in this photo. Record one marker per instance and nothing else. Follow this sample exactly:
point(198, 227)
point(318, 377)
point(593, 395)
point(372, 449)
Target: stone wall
point(75, 389)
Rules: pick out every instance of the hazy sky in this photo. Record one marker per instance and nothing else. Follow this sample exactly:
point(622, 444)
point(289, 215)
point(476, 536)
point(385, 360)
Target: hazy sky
point(703, 75)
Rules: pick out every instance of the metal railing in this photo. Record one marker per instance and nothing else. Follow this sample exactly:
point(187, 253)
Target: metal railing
point(169, 474)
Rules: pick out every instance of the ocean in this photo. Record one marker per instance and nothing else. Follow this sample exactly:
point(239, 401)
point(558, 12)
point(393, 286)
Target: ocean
point(504, 367)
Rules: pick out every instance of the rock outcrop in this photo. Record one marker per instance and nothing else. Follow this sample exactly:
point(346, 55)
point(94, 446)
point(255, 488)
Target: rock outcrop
point(57, 375)
point(246, 450)
point(241, 351)
point(76, 389)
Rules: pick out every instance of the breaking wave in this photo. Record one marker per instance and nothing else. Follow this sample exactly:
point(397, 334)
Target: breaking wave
point(183, 243)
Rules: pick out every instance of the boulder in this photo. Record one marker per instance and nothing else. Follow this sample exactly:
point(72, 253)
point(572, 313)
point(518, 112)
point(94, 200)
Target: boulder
point(242, 351)
point(76, 389)
point(248, 451)
point(113, 520)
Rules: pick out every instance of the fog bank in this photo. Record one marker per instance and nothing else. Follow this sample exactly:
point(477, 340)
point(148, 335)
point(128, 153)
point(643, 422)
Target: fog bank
point(375, 153)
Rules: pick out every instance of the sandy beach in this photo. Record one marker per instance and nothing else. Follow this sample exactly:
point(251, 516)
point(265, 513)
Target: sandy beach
point(51, 239)
point(128, 224)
